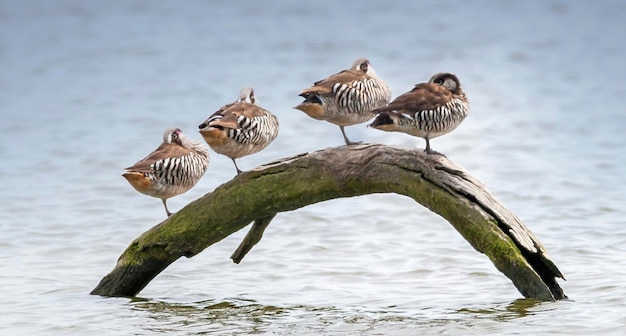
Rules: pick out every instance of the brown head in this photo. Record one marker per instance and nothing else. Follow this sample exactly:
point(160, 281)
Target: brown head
point(361, 64)
point(364, 65)
point(173, 136)
point(447, 80)
point(246, 94)
point(176, 137)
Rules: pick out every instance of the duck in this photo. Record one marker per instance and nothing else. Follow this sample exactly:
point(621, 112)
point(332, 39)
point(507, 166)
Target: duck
point(173, 168)
point(240, 128)
point(347, 97)
point(428, 110)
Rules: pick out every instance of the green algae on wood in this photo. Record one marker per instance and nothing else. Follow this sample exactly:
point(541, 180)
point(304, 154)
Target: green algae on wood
point(258, 195)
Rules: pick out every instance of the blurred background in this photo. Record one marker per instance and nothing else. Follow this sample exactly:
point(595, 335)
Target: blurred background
point(87, 89)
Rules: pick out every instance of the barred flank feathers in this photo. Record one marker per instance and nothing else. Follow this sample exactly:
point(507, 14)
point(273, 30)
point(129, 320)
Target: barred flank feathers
point(182, 172)
point(361, 96)
point(258, 130)
point(439, 120)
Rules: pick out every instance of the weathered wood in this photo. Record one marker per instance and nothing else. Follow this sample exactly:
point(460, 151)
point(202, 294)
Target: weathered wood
point(431, 180)
point(252, 238)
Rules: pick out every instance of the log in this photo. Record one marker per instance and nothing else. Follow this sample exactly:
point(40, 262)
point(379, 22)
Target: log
point(291, 183)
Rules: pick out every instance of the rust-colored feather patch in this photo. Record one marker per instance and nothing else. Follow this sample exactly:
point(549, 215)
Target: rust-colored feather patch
point(214, 136)
point(138, 180)
point(313, 110)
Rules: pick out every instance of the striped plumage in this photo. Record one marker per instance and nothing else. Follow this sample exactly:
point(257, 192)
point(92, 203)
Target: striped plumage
point(240, 128)
point(171, 169)
point(427, 111)
point(347, 97)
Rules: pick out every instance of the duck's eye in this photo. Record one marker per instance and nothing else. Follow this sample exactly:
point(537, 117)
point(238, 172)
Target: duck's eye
point(174, 135)
point(439, 81)
point(363, 67)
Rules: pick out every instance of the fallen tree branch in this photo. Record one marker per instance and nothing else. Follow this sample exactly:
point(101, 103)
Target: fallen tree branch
point(252, 238)
point(258, 195)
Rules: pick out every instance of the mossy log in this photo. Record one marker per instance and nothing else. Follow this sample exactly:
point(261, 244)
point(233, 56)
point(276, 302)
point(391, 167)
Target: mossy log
point(258, 195)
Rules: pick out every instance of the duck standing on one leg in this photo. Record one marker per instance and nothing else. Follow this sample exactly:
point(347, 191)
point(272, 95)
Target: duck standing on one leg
point(427, 111)
point(347, 97)
point(171, 169)
point(240, 128)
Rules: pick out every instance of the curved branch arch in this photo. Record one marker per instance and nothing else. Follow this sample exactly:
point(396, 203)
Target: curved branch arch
point(288, 184)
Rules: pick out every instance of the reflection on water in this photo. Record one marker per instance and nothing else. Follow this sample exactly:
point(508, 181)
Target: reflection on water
point(244, 314)
point(209, 315)
point(516, 309)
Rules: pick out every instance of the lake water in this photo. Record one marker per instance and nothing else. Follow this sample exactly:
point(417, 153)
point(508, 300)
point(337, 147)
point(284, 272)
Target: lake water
point(87, 88)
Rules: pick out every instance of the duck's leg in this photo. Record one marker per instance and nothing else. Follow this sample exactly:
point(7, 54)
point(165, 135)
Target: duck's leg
point(345, 138)
point(167, 211)
point(236, 167)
